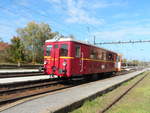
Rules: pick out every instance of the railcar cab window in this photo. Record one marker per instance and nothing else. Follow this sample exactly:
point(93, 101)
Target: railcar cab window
point(56, 46)
point(48, 50)
point(77, 51)
point(64, 50)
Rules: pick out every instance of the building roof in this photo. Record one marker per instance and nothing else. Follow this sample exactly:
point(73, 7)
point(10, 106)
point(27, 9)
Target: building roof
point(3, 46)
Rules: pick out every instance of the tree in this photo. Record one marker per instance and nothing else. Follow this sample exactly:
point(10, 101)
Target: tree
point(135, 62)
point(124, 62)
point(4, 55)
point(33, 37)
point(16, 50)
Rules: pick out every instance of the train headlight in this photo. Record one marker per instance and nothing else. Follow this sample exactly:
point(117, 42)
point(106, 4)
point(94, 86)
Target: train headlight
point(64, 63)
point(45, 62)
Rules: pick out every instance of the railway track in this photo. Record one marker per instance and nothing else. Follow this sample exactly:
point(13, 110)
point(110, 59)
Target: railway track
point(123, 94)
point(11, 75)
point(12, 92)
point(25, 74)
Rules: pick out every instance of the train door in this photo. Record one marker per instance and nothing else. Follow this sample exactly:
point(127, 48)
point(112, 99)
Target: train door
point(47, 58)
point(77, 61)
point(118, 63)
point(82, 59)
point(55, 58)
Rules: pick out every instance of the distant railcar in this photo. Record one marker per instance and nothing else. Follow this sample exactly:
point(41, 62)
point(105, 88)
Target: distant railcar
point(67, 57)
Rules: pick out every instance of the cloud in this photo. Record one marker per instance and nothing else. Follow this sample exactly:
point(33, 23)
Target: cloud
point(77, 14)
point(22, 2)
point(125, 15)
point(76, 11)
point(4, 34)
point(104, 4)
point(82, 11)
point(56, 1)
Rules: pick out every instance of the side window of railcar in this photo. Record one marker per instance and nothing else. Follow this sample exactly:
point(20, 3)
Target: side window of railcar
point(95, 54)
point(92, 53)
point(103, 56)
point(77, 51)
point(48, 50)
point(64, 50)
point(110, 57)
point(118, 58)
point(100, 55)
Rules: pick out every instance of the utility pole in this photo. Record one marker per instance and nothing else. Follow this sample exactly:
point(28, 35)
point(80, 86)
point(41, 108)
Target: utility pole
point(94, 40)
point(88, 30)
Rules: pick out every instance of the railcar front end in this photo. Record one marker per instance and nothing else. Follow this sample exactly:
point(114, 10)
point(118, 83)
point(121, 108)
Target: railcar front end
point(56, 58)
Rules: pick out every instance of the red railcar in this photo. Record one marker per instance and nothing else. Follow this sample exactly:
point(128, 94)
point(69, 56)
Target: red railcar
point(67, 57)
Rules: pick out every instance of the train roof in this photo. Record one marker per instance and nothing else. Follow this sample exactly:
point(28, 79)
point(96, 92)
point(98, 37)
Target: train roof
point(78, 41)
point(62, 39)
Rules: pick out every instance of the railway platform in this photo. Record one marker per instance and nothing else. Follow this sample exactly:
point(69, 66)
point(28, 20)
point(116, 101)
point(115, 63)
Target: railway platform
point(11, 71)
point(5, 79)
point(23, 79)
point(63, 101)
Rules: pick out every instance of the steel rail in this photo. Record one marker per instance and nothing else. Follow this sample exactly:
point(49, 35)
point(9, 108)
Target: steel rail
point(11, 75)
point(52, 86)
point(6, 91)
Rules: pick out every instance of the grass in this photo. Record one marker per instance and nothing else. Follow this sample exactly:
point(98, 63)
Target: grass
point(136, 101)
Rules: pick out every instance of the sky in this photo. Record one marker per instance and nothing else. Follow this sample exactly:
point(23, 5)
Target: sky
point(107, 20)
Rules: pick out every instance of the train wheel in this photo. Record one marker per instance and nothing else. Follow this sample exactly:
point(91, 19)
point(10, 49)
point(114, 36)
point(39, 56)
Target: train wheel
point(95, 77)
point(91, 77)
point(87, 77)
